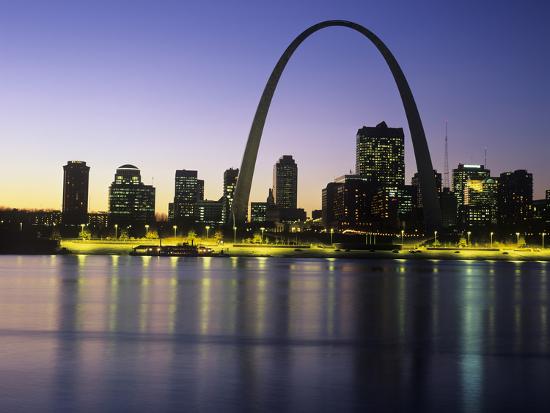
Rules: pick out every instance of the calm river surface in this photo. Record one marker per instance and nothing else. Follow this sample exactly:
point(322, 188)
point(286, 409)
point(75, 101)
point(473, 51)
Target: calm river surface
point(142, 334)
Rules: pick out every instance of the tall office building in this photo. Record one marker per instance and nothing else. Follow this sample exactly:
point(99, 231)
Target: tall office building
point(415, 182)
point(380, 155)
point(447, 202)
point(285, 182)
point(131, 202)
point(230, 177)
point(187, 192)
point(75, 193)
point(480, 203)
point(515, 199)
point(346, 203)
point(461, 175)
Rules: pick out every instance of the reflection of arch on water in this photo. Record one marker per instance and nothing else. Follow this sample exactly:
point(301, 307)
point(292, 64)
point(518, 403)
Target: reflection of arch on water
point(432, 212)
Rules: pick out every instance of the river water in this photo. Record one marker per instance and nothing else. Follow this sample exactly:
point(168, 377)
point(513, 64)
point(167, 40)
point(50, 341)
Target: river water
point(143, 334)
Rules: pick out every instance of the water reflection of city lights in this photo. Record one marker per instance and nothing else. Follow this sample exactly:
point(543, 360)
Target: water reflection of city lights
point(113, 294)
point(262, 262)
point(146, 260)
point(260, 303)
point(471, 363)
point(205, 304)
point(331, 307)
point(401, 302)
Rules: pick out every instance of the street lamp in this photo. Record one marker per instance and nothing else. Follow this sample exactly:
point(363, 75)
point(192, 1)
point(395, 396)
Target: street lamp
point(435, 237)
point(116, 231)
point(146, 229)
point(175, 228)
point(402, 237)
point(491, 234)
point(469, 233)
point(207, 229)
point(331, 232)
point(82, 231)
point(234, 235)
point(517, 238)
point(262, 229)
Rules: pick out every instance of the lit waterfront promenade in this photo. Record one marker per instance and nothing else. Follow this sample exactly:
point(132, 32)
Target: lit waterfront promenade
point(507, 253)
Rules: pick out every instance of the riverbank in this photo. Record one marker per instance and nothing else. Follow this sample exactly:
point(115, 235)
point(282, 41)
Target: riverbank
point(99, 247)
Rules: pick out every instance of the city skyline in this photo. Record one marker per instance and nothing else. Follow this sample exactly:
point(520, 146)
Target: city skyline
point(290, 206)
point(108, 106)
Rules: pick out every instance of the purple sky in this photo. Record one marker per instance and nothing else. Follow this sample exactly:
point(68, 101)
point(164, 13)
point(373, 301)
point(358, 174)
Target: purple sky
point(174, 85)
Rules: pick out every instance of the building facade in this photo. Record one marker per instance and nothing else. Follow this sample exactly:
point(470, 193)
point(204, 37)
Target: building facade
point(258, 212)
point(380, 155)
point(346, 203)
point(75, 193)
point(285, 182)
point(415, 181)
point(131, 202)
point(98, 220)
point(230, 177)
point(515, 200)
point(480, 203)
point(209, 212)
point(188, 190)
point(24, 217)
point(448, 205)
point(462, 175)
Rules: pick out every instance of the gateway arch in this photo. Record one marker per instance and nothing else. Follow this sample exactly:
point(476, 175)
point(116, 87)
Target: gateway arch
point(432, 212)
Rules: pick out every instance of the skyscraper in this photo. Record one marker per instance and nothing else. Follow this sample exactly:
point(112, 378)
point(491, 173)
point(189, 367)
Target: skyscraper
point(447, 202)
point(380, 155)
point(75, 193)
point(285, 182)
point(480, 202)
point(187, 192)
point(229, 183)
point(131, 202)
point(462, 174)
point(415, 181)
point(515, 199)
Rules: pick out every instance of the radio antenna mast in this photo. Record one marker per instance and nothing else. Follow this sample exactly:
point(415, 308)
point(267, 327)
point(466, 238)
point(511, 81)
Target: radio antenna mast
point(446, 183)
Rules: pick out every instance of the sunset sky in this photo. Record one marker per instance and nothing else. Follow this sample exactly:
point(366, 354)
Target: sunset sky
point(174, 85)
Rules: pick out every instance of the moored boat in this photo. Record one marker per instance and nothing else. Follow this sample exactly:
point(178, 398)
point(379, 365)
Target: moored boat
point(183, 250)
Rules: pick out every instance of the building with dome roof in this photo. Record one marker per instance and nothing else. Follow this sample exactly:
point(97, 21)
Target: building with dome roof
point(131, 202)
